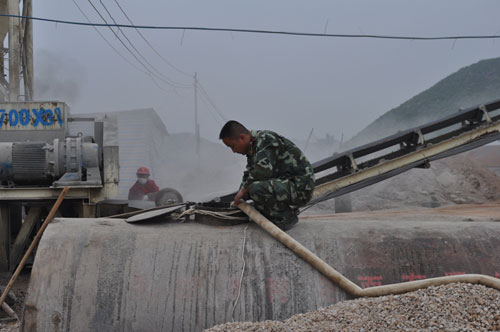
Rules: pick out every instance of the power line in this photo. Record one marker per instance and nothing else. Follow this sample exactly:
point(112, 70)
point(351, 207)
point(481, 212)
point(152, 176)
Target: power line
point(210, 108)
point(126, 47)
point(211, 102)
point(149, 44)
point(212, 114)
point(118, 37)
point(119, 53)
point(291, 33)
point(168, 81)
point(162, 88)
point(180, 85)
point(107, 42)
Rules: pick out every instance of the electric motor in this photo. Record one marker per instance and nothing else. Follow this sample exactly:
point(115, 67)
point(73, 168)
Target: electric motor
point(41, 163)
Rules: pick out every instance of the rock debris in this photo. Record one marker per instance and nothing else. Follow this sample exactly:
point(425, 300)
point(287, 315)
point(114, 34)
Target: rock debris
point(453, 307)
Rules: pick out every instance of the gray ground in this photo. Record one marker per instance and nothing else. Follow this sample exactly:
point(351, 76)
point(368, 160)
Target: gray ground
point(19, 290)
point(9, 327)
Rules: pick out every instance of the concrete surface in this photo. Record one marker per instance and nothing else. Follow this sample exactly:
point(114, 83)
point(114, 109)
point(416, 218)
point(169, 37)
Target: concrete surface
point(107, 275)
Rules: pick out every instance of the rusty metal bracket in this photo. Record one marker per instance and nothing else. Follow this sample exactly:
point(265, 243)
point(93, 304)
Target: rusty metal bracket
point(485, 113)
point(353, 163)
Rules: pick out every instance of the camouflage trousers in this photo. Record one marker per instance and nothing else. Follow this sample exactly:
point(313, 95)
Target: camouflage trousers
point(278, 199)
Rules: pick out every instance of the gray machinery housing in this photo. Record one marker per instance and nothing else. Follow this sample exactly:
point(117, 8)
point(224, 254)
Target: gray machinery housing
point(72, 161)
point(35, 149)
point(38, 157)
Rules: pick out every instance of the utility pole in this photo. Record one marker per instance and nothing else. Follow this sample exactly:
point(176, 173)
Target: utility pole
point(14, 50)
point(27, 56)
point(20, 51)
point(196, 125)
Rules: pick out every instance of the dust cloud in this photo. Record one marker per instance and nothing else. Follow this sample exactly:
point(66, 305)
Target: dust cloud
point(59, 77)
point(217, 171)
point(214, 172)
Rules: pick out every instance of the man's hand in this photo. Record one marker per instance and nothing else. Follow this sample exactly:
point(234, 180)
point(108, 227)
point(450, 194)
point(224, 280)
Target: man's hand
point(242, 194)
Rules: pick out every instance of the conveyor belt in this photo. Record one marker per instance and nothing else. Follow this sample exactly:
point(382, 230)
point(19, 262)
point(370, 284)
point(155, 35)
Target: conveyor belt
point(416, 147)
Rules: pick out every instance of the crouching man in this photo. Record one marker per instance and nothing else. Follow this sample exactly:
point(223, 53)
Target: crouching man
point(278, 177)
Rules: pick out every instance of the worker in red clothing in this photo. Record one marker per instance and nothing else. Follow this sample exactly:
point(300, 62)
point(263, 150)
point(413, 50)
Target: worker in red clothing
point(143, 186)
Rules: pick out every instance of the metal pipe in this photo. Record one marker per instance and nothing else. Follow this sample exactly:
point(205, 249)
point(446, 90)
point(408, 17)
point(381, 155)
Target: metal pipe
point(345, 283)
point(299, 249)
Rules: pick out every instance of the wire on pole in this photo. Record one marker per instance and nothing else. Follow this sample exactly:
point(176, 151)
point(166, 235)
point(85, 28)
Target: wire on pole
point(276, 32)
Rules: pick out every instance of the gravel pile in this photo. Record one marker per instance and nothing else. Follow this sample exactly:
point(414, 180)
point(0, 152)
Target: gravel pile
point(453, 307)
point(9, 327)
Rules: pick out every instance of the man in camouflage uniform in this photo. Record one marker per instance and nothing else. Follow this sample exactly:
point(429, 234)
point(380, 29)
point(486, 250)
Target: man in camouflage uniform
point(278, 176)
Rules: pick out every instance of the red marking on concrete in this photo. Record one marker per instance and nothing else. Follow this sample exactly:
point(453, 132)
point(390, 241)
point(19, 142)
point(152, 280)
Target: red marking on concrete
point(234, 284)
point(277, 288)
point(370, 281)
point(453, 273)
point(139, 283)
point(328, 289)
point(412, 276)
point(185, 288)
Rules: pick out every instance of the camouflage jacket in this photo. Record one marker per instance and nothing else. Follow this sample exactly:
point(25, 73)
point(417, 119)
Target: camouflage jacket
point(273, 156)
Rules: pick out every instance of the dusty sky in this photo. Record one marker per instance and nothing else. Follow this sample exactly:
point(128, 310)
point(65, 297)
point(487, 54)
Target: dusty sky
point(286, 83)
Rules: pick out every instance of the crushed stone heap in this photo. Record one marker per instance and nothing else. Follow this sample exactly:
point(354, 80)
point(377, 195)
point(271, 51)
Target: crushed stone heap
point(453, 307)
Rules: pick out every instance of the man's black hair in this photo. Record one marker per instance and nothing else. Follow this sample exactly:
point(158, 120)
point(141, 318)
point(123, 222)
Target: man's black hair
point(232, 129)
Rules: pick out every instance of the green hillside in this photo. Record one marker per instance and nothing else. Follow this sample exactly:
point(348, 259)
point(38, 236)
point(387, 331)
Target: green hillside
point(469, 86)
